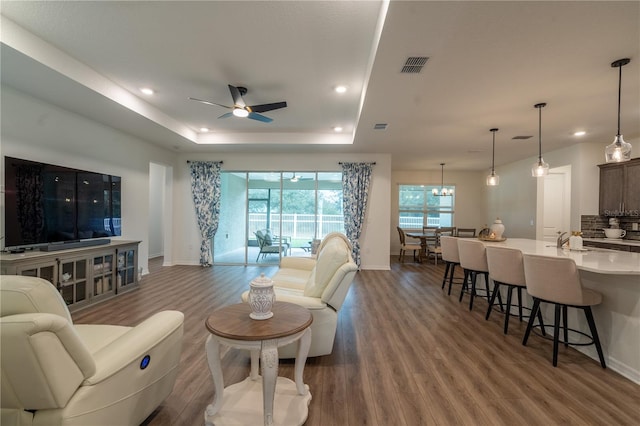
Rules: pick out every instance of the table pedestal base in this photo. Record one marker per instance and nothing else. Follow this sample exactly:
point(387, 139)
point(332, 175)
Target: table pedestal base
point(241, 404)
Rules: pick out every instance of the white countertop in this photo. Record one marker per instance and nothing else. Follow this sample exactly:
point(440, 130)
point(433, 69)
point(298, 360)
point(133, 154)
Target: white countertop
point(596, 260)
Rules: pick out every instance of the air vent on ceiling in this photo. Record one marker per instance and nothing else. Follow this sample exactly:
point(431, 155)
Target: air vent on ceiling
point(521, 137)
point(414, 64)
point(380, 126)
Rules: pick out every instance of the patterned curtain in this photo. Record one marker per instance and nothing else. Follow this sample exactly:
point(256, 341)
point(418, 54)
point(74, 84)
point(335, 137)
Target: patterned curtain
point(205, 188)
point(356, 178)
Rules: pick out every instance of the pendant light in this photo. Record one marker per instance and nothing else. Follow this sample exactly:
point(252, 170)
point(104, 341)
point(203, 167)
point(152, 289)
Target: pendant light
point(540, 168)
point(619, 150)
point(444, 192)
point(493, 179)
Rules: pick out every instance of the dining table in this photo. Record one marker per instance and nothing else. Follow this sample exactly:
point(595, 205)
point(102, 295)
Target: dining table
point(425, 238)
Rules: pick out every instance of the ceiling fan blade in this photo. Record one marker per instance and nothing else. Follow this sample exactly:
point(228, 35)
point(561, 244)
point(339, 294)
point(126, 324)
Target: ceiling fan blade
point(210, 103)
point(227, 115)
point(237, 97)
point(268, 107)
point(260, 117)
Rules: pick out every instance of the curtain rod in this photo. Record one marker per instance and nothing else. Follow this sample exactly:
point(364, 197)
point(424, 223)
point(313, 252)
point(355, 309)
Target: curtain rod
point(374, 163)
point(221, 162)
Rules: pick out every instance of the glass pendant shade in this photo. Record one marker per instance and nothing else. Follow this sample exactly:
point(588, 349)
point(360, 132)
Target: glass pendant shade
point(540, 168)
point(619, 150)
point(493, 179)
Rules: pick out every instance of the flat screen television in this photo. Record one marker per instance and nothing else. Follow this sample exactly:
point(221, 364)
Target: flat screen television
point(46, 204)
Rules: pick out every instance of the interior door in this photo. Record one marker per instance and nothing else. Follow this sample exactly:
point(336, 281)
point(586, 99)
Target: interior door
point(556, 216)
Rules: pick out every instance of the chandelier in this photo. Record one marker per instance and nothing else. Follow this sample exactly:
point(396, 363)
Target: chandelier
point(442, 192)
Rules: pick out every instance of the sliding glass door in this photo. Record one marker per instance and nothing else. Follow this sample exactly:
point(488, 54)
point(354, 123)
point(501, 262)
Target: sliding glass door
point(267, 215)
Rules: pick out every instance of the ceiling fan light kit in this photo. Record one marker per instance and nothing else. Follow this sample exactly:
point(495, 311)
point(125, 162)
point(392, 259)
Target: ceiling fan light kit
point(241, 110)
point(493, 179)
point(619, 151)
point(540, 168)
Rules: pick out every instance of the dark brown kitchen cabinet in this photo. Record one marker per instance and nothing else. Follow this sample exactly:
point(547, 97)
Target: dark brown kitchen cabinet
point(620, 188)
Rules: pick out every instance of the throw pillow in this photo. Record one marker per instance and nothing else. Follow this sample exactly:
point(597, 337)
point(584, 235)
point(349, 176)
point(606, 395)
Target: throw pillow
point(268, 240)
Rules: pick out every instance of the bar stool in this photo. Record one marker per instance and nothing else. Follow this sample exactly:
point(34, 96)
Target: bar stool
point(557, 280)
point(451, 258)
point(506, 267)
point(473, 259)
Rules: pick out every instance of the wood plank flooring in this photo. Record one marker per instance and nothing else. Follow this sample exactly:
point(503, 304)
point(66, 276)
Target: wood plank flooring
point(405, 354)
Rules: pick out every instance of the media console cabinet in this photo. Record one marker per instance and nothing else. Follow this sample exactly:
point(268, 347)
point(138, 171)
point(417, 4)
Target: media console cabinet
point(82, 275)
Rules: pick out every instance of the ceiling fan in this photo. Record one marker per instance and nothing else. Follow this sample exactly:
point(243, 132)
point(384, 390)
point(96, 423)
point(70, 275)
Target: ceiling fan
point(241, 109)
point(298, 178)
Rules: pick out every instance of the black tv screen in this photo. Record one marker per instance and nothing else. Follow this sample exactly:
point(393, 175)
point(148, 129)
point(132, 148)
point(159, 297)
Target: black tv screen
point(45, 203)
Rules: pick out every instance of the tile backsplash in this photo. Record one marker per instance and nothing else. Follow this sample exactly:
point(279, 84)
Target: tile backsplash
point(592, 225)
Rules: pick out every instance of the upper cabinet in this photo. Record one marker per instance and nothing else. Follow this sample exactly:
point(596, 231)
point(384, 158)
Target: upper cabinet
point(620, 188)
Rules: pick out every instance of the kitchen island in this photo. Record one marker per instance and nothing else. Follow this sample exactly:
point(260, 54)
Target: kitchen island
point(615, 274)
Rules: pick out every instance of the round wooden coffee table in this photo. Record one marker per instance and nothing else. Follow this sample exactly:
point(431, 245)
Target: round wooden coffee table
point(284, 401)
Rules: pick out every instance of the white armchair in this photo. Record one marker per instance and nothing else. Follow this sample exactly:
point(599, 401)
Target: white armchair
point(57, 373)
point(321, 285)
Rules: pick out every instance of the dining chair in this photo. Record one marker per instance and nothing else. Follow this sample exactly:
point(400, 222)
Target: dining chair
point(433, 245)
point(466, 232)
point(404, 246)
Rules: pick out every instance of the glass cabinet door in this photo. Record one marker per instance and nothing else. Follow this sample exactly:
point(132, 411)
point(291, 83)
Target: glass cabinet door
point(45, 271)
point(73, 281)
point(127, 267)
point(103, 274)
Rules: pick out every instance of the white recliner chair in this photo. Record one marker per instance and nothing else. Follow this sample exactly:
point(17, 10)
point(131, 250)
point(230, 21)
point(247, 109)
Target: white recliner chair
point(320, 285)
point(57, 373)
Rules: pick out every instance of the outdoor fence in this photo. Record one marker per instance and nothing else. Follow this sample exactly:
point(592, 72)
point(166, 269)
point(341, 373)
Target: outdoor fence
point(297, 226)
point(417, 222)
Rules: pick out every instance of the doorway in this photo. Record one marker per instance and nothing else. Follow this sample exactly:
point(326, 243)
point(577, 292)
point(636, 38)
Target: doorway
point(160, 212)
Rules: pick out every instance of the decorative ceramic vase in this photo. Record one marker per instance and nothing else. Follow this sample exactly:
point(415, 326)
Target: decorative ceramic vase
point(497, 229)
point(575, 241)
point(261, 298)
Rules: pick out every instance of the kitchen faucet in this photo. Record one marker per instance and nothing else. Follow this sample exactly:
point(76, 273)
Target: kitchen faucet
point(561, 241)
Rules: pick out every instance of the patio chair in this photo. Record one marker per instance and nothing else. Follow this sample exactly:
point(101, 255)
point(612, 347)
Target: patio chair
point(270, 244)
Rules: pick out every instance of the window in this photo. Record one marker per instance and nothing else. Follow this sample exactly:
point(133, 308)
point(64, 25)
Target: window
point(418, 207)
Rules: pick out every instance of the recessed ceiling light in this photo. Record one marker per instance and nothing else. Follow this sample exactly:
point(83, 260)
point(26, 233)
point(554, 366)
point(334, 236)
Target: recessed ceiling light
point(147, 91)
point(337, 129)
point(204, 129)
point(580, 133)
point(341, 89)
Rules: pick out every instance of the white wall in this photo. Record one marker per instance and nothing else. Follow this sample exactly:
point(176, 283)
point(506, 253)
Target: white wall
point(374, 245)
point(515, 199)
point(34, 130)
